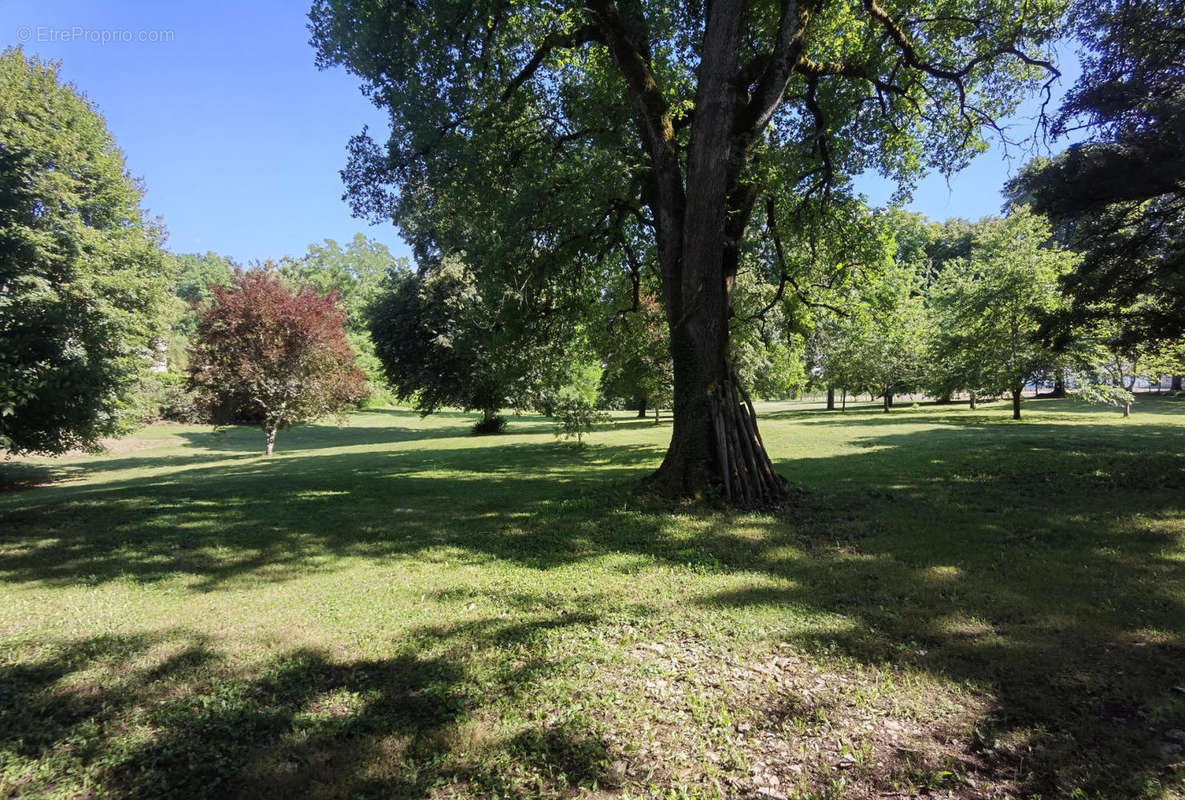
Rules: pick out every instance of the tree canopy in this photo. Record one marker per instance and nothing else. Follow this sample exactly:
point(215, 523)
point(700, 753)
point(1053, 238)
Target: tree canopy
point(83, 281)
point(1119, 197)
point(442, 342)
point(552, 142)
point(991, 305)
point(270, 354)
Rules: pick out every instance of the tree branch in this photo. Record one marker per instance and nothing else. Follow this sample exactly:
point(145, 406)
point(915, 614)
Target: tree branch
point(553, 41)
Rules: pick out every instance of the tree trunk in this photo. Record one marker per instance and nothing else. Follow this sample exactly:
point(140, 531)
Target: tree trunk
point(844, 401)
point(1127, 409)
point(701, 209)
point(1059, 384)
point(271, 440)
point(656, 412)
point(888, 400)
point(972, 401)
point(1176, 385)
point(1016, 402)
point(830, 398)
point(487, 414)
point(642, 408)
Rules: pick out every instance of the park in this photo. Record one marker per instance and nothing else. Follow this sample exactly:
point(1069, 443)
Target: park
point(665, 437)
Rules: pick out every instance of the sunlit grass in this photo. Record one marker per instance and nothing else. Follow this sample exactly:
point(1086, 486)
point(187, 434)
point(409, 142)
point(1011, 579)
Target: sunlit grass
point(396, 608)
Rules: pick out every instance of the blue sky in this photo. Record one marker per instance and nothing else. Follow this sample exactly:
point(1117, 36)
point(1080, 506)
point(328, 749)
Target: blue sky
point(239, 138)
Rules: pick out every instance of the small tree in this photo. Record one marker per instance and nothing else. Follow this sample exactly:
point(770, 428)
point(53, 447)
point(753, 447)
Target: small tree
point(637, 357)
point(577, 417)
point(443, 342)
point(273, 355)
point(992, 304)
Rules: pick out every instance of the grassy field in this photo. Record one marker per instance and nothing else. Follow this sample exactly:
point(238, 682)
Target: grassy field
point(956, 606)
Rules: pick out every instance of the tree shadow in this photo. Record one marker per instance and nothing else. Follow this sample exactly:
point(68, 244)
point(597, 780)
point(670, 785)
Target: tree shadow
point(275, 518)
point(167, 715)
point(1038, 563)
point(1041, 563)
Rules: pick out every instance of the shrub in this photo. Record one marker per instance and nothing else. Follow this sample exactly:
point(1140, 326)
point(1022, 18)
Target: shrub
point(164, 395)
point(576, 417)
point(490, 425)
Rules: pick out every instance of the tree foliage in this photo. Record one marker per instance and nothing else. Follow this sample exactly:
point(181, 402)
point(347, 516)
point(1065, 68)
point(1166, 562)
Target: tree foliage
point(553, 141)
point(83, 282)
point(989, 307)
point(877, 347)
point(442, 342)
point(270, 354)
point(356, 273)
point(637, 357)
point(1119, 197)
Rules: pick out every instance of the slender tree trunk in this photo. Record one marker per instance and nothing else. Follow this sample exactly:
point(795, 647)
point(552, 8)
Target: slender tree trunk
point(972, 400)
point(888, 396)
point(656, 413)
point(1127, 409)
point(271, 440)
point(844, 401)
point(1176, 384)
point(1059, 384)
point(830, 398)
point(642, 408)
point(1016, 402)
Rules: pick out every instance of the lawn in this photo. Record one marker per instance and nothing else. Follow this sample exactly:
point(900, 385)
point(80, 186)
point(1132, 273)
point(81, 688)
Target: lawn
point(956, 605)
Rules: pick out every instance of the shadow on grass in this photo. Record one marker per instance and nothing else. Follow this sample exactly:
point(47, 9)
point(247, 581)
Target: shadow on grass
point(296, 725)
point(274, 518)
point(994, 412)
point(1040, 563)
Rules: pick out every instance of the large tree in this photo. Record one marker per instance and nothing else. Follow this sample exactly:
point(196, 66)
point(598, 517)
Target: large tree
point(539, 136)
point(83, 281)
point(1119, 197)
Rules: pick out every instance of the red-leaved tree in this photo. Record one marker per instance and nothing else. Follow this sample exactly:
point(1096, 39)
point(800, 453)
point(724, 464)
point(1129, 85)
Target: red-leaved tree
point(274, 356)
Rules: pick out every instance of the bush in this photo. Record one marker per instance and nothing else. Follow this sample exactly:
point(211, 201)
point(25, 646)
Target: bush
point(164, 395)
point(490, 425)
point(576, 417)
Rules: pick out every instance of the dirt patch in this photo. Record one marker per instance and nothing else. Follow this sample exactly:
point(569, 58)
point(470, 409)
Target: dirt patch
point(780, 726)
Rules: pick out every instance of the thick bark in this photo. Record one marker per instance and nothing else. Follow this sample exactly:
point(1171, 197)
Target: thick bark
point(830, 398)
point(642, 408)
point(271, 441)
point(701, 207)
point(1016, 402)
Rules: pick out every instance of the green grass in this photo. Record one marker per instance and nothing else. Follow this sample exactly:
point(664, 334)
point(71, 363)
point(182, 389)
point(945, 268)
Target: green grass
point(956, 604)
